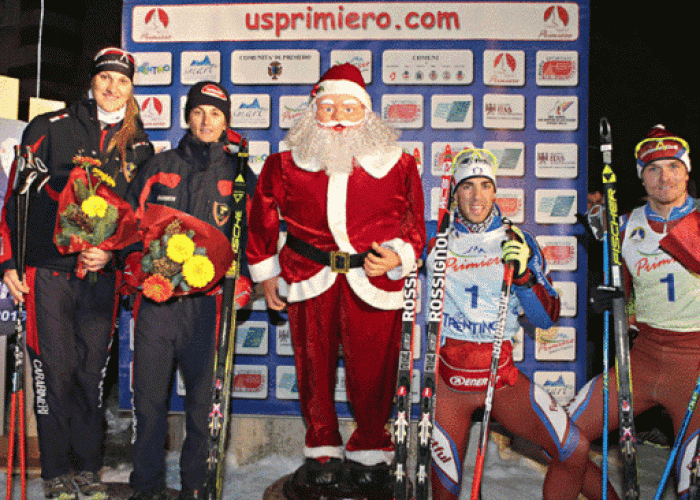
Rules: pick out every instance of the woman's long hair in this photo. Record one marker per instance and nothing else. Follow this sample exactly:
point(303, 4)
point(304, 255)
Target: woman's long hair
point(126, 135)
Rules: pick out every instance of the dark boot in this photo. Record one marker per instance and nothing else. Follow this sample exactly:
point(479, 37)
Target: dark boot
point(374, 481)
point(321, 474)
point(315, 479)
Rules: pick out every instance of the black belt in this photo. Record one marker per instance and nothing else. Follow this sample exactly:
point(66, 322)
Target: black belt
point(340, 262)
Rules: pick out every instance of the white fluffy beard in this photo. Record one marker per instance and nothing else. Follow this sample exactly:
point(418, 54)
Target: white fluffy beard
point(334, 149)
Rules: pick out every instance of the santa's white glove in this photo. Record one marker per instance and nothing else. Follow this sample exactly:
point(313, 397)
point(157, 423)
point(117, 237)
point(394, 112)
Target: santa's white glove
point(517, 253)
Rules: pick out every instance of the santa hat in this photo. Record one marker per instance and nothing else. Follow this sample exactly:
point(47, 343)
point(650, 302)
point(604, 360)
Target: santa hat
point(473, 162)
point(113, 59)
point(660, 144)
point(342, 79)
point(208, 93)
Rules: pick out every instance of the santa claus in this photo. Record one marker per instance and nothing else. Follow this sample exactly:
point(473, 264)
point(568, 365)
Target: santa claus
point(352, 201)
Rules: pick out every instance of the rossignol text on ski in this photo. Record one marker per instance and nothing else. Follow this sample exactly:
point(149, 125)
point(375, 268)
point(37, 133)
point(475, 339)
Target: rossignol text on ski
point(402, 422)
point(432, 350)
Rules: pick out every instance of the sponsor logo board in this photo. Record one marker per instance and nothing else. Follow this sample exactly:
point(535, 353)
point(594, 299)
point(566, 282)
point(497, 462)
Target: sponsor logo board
point(556, 161)
point(403, 110)
point(153, 68)
point(560, 252)
point(452, 111)
point(427, 67)
point(275, 67)
point(504, 68)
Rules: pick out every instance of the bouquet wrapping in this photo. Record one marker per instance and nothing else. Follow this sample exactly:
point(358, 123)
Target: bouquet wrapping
point(182, 255)
point(681, 242)
point(90, 214)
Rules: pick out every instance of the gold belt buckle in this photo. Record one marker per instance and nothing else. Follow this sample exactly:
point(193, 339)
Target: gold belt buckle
point(340, 262)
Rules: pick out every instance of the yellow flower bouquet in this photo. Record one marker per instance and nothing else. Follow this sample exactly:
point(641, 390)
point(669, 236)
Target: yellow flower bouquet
point(90, 214)
point(182, 254)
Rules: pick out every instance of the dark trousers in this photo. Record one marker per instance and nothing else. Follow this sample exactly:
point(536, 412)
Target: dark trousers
point(69, 350)
point(181, 333)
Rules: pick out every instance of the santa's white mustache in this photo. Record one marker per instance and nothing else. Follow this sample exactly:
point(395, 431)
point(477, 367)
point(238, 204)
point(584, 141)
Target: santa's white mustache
point(341, 123)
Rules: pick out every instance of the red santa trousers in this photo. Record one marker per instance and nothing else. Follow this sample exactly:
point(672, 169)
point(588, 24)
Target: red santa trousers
point(370, 338)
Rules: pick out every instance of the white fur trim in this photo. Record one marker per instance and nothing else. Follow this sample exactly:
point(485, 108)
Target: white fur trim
point(310, 166)
point(376, 297)
point(309, 288)
point(336, 204)
point(265, 269)
point(406, 254)
point(379, 164)
point(370, 457)
point(323, 451)
point(336, 87)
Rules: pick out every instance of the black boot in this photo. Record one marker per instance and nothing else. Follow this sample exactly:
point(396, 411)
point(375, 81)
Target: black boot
point(323, 474)
point(374, 481)
point(315, 479)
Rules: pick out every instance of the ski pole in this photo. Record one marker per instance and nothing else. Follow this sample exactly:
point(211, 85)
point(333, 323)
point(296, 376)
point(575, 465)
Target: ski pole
point(606, 149)
point(679, 439)
point(26, 175)
point(491, 387)
point(628, 441)
point(606, 378)
point(694, 487)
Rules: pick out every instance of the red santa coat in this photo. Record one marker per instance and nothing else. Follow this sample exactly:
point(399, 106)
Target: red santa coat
point(381, 200)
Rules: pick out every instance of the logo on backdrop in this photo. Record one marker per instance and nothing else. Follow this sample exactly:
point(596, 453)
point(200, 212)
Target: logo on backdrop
point(504, 67)
point(556, 15)
point(155, 110)
point(557, 24)
point(557, 68)
point(156, 23)
point(196, 66)
point(153, 68)
point(250, 110)
point(557, 113)
point(403, 111)
point(556, 161)
point(559, 252)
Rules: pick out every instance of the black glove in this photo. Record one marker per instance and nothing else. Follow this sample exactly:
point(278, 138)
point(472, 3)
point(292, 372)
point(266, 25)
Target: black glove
point(602, 297)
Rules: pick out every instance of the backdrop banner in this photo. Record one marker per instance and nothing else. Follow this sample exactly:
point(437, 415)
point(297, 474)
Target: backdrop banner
point(509, 76)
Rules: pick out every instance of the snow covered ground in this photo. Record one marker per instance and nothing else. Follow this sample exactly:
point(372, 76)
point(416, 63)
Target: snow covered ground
point(507, 474)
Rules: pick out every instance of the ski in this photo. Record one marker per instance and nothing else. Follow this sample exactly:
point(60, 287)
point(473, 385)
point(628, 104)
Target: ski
point(628, 440)
point(402, 422)
point(432, 349)
point(493, 374)
point(223, 355)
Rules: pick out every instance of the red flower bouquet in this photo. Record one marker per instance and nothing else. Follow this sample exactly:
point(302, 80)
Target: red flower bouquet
point(90, 214)
point(182, 255)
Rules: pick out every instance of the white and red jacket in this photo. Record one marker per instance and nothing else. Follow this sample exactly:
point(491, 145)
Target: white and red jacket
point(381, 200)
